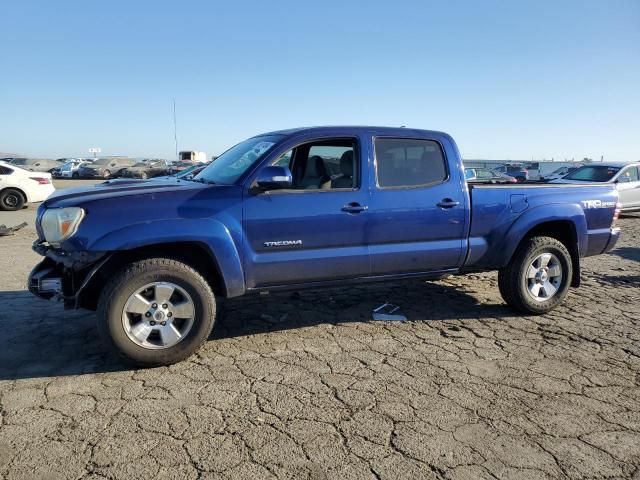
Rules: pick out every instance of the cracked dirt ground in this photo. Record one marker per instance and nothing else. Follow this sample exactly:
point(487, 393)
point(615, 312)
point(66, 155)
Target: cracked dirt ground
point(306, 386)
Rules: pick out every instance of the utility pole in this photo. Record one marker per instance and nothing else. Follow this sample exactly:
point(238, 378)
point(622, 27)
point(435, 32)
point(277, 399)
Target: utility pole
point(175, 127)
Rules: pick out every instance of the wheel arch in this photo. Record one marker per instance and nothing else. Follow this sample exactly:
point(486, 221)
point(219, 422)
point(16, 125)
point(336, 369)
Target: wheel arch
point(196, 254)
point(18, 189)
point(566, 233)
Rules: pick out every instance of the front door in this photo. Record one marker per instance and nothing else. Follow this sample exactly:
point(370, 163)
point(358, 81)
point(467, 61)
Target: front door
point(314, 231)
point(417, 216)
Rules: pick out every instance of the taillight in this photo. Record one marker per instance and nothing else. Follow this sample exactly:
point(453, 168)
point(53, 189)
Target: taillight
point(616, 212)
point(41, 181)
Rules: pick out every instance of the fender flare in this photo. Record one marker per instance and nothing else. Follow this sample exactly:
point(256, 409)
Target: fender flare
point(212, 234)
point(530, 219)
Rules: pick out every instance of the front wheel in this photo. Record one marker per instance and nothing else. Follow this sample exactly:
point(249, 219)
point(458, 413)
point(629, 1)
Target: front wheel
point(156, 312)
point(538, 277)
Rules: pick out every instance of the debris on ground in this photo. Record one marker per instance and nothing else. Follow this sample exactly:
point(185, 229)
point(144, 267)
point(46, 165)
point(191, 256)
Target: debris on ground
point(388, 312)
point(4, 230)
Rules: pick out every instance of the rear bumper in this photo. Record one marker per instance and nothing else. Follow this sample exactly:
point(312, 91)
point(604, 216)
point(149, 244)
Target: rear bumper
point(41, 193)
point(613, 239)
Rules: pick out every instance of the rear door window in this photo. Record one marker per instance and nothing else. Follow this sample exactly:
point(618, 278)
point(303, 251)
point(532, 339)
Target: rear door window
point(404, 162)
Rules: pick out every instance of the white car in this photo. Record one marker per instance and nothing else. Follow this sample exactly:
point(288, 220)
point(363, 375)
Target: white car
point(625, 176)
point(19, 186)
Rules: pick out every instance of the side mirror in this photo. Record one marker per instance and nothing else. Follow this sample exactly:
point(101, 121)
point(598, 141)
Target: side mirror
point(274, 178)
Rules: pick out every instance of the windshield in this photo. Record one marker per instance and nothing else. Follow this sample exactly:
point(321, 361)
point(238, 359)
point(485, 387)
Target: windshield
point(230, 166)
point(596, 173)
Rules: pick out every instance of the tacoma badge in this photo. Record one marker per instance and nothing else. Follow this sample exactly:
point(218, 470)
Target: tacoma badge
point(283, 243)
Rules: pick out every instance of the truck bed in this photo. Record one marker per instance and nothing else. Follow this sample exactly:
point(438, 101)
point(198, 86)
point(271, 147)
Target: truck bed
point(499, 211)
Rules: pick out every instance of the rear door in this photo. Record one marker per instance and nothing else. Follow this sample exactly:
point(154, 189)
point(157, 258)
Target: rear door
point(417, 213)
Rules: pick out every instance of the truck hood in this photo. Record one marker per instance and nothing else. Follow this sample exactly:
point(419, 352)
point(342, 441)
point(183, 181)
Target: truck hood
point(112, 189)
point(120, 207)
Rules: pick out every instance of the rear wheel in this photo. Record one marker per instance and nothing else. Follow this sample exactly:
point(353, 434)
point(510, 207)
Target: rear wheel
point(156, 312)
point(538, 277)
point(75, 175)
point(11, 200)
point(106, 174)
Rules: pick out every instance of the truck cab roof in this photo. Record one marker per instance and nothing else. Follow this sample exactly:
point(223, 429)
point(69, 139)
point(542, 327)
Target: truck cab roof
point(348, 130)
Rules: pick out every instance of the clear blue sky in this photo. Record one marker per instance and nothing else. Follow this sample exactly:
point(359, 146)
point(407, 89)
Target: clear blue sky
point(509, 79)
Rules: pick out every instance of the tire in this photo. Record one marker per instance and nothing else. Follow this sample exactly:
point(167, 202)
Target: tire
point(107, 174)
point(11, 200)
point(528, 294)
point(115, 325)
point(144, 175)
point(75, 175)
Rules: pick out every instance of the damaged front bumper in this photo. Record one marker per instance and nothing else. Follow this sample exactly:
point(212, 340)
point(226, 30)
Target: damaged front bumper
point(63, 276)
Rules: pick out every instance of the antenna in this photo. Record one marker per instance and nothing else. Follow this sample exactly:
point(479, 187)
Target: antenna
point(175, 127)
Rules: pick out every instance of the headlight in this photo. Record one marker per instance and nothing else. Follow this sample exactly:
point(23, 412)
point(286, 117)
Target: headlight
point(58, 224)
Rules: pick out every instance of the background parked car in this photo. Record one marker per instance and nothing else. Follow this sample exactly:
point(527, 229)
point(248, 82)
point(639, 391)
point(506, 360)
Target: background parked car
point(559, 173)
point(626, 177)
point(147, 169)
point(520, 173)
point(69, 169)
point(105, 167)
point(183, 165)
point(484, 175)
point(19, 186)
point(192, 171)
point(36, 164)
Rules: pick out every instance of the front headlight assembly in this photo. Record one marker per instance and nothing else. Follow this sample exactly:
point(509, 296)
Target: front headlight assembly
point(59, 224)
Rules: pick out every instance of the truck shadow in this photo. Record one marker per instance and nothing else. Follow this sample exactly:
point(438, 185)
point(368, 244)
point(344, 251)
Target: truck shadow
point(418, 302)
point(627, 253)
point(41, 339)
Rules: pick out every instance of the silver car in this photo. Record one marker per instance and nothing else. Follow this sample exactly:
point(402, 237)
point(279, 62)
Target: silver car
point(36, 164)
point(626, 177)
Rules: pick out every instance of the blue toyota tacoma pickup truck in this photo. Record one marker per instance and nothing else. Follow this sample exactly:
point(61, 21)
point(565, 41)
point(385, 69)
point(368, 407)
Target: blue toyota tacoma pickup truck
point(307, 207)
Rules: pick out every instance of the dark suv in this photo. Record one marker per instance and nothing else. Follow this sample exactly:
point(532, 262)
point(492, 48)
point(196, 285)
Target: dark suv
point(105, 167)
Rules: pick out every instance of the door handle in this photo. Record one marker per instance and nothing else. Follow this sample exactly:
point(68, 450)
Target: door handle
point(447, 203)
point(354, 207)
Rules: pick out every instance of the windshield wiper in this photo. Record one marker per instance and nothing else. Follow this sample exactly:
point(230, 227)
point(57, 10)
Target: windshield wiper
point(199, 180)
